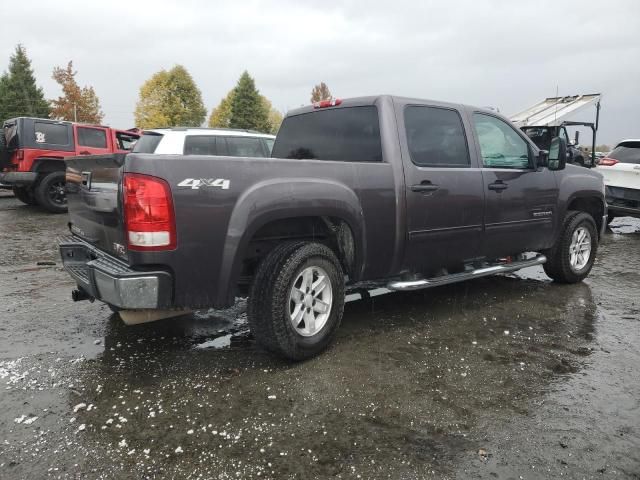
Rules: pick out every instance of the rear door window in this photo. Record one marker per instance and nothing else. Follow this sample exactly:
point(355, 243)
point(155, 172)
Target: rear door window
point(92, 137)
point(51, 133)
point(347, 134)
point(244, 147)
point(436, 137)
point(627, 153)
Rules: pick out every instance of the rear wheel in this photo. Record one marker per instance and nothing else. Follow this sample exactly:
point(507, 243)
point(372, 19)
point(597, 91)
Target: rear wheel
point(297, 300)
point(571, 258)
point(50, 192)
point(25, 195)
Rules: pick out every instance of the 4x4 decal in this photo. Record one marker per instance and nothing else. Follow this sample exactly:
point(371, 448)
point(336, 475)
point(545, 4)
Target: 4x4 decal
point(196, 183)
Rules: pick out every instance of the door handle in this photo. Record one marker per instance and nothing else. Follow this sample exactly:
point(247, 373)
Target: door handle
point(498, 186)
point(84, 152)
point(424, 187)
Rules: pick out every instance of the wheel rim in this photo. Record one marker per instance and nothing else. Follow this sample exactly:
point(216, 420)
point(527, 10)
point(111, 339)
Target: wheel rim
point(580, 248)
point(310, 301)
point(57, 193)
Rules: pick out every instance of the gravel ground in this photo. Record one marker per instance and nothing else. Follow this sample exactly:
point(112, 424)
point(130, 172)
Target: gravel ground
point(508, 377)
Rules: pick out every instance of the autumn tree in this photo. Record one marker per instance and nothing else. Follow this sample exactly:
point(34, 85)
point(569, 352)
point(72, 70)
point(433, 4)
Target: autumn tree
point(19, 94)
point(221, 115)
point(78, 104)
point(169, 99)
point(320, 92)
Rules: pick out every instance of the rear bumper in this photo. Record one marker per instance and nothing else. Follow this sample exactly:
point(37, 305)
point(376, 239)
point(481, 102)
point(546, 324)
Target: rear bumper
point(18, 178)
point(110, 280)
point(623, 201)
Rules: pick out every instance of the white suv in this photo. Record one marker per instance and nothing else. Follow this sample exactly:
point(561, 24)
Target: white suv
point(621, 172)
point(205, 141)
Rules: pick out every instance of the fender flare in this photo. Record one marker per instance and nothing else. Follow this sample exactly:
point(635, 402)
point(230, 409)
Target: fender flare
point(278, 199)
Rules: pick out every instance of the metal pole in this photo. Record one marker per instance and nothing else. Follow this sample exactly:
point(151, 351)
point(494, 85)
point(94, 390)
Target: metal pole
point(595, 129)
point(75, 112)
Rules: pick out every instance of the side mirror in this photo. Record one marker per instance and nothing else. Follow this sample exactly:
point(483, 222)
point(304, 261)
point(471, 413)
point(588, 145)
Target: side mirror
point(557, 154)
point(576, 138)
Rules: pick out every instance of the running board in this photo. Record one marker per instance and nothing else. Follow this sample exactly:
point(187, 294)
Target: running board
point(459, 277)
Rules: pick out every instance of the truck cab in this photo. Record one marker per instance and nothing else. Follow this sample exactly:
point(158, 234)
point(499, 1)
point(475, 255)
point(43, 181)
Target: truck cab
point(32, 153)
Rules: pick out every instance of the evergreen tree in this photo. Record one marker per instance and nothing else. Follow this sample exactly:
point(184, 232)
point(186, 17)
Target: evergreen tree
point(221, 115)
point(19, 94)
point(75, 104)
point(168, 99)
point(247, 107)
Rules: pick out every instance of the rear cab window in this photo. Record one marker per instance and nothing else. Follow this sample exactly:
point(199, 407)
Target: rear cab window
point(627, 152)
point(125, 141)
point(347, 134)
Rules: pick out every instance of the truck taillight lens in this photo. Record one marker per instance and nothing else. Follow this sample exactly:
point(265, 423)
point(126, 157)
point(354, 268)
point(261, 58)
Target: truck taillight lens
point(148, 213)
point(608, 162)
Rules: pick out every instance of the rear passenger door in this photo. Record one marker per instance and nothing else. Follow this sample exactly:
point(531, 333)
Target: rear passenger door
point(444, 190)
point(92, 140)
point(521, 198)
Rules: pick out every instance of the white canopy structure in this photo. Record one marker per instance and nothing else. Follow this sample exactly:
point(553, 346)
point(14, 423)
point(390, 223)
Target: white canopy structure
point(553, 111)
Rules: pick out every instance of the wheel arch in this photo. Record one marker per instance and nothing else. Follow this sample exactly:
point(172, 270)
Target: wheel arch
point(593, 205)
point(284, 209)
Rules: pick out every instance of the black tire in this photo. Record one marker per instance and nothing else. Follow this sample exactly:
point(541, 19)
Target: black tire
point(269, 303)
point(113, 308)
point(25, 195)
point(50, 193)
point(558, 265)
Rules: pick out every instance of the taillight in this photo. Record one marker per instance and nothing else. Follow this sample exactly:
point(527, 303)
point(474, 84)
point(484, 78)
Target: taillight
point(148, 213)
point(327, 103)
point(608, 162)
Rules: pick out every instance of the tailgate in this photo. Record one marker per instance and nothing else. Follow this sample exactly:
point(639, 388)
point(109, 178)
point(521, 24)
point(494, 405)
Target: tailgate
point(94, 201)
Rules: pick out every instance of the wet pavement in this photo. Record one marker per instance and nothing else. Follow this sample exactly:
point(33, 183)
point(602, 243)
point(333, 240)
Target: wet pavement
point(507, 377)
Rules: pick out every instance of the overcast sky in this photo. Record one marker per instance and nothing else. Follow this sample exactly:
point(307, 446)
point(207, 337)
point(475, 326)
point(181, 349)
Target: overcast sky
point(506, 54)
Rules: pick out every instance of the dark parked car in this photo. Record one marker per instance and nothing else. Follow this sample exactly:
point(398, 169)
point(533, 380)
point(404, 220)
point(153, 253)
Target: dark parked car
point(410, 192)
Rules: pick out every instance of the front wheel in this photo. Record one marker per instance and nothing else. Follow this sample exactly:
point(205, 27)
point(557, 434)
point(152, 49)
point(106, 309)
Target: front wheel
point(572, 257)
point(296, 300)
point(50, 192)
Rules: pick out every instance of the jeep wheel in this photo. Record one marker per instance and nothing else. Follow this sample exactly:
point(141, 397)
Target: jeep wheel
point(25, 195)
point(297, 300)
point(50, 193)
point(571, 259)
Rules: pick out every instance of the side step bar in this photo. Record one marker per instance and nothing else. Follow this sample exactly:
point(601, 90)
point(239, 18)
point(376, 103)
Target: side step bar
point(459, 277)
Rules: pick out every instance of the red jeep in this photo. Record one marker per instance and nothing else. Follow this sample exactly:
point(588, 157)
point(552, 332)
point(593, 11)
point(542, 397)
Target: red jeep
point(32, 151)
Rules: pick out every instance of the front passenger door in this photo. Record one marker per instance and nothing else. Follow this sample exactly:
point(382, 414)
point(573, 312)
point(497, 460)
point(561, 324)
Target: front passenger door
point(520, 199)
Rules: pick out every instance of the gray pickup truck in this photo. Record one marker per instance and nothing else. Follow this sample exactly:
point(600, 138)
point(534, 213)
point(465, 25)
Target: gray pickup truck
point(407, 192)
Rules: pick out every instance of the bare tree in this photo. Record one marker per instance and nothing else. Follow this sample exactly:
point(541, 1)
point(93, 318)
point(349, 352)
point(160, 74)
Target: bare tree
point(320, 92)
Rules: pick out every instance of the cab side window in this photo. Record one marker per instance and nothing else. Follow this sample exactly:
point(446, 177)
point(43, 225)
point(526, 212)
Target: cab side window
point(500, 144)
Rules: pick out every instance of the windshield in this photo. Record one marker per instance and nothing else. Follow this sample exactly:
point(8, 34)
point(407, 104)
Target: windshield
point(628, 152)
